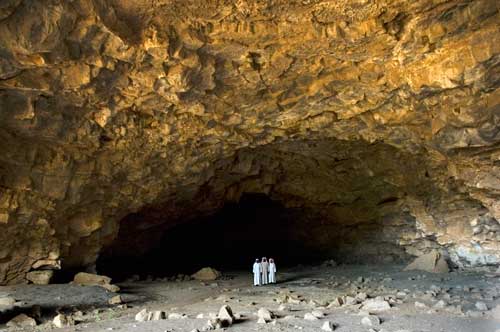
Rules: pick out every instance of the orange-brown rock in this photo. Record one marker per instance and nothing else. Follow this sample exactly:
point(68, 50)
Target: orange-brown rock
point(120, 119)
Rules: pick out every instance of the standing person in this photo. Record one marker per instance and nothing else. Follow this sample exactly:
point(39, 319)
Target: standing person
point(265, 270)
point(257, 270)
point(272, 271)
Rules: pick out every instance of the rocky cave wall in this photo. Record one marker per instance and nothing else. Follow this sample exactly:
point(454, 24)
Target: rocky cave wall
point(127, 117)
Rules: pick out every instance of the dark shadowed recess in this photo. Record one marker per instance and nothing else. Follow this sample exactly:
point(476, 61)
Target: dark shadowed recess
point(230, 239)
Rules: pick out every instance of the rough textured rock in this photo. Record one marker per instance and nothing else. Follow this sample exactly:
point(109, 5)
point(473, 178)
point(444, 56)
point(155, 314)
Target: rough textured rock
point(379, 120)
point(21, 321)
point(40, 277)
point(206, 273)
point(432, 262)
point(89, 279)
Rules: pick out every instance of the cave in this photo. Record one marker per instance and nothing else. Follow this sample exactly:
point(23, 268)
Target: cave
point(228, 240)
point(350, 140)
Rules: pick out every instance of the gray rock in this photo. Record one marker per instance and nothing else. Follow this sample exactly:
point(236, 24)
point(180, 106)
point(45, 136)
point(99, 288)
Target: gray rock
point(374, 305)
point(328, 326)
point(226, 314)
point(261, 321)
point(158, 315)
point(370, 320)
point(440, 304)
point(481, 306)
point(265, 314)
point(143, 316)
point(318, 313)
point(309, 316)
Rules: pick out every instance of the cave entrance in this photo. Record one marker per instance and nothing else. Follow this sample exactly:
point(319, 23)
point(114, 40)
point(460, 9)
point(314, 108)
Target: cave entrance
point(231, 239)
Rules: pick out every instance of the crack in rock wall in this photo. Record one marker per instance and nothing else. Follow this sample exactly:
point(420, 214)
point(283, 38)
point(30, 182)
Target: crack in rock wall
point(111, 109)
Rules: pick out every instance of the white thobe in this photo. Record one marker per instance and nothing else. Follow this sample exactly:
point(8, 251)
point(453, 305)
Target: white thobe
point(257, 270)
point(272, 273)
point(265, 271)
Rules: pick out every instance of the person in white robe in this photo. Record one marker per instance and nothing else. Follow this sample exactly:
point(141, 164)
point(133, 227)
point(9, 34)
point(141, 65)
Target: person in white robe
point(257, 270)
point(265, 270)
point(272, 271)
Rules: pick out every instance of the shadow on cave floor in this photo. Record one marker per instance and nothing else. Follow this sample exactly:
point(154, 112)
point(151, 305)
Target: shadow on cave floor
point(229, 240)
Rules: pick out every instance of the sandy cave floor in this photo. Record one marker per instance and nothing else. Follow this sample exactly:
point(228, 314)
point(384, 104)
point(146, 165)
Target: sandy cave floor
point(315, 287)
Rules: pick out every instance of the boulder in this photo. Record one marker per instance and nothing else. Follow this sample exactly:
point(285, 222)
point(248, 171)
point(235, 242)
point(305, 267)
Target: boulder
point(115, 300)
point(90, 279)
point(310, 316)
point(370, 320)
point(328, 326)
point(226, 314)
point(21, 321)
point(7, 301)
point(206, 273)
point(40, 277)
point(143, 316)
point(62, 320)
point(481, 306)
point(495, 312)
point(432, 262)
point(374, 305)
point(318, 313)
point(213, 324)
point(335, 303)
point(158, 315)
point(175, 315)
point(265, 314)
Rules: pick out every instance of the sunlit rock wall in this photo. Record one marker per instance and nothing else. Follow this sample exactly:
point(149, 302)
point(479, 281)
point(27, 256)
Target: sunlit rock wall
point(367, 112)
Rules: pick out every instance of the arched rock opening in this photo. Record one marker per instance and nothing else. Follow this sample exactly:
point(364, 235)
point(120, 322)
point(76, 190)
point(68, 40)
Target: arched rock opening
point(349, 200)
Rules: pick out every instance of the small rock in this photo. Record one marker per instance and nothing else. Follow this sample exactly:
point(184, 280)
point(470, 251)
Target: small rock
point(143, 316)
point(318, 313)
point(40, 277)
point(62, 320)
point(328, 326)
point(376, 304)
point(226, 314)
point(21, 320)
point(265, 314)
point(335, 303)
point(440, 304)
point(400, 295)
point(420, 305)
point(481, 306)
point(361, 297)
point(309, 316)
point(115, 300)
point(200, 316)
point(175, 315)
point(261, 321)
point(283, 307)
point(213, 324)
point(158, 315)
point(370, 320)
point(349, 300)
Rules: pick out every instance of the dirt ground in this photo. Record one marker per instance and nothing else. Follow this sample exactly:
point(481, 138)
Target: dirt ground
point(299, 291)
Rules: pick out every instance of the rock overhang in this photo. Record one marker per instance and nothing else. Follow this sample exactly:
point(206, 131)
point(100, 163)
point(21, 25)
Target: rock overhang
point(110, 108)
